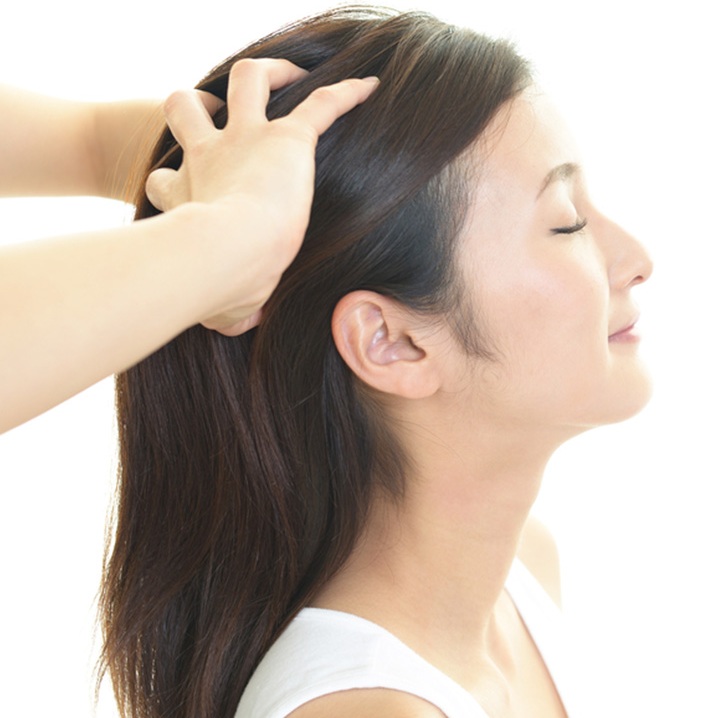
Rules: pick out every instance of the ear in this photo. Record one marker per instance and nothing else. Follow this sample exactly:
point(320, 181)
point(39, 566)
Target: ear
point(380, 340)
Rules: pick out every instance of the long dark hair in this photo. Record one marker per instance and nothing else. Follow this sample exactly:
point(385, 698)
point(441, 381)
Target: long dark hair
point(247, 464)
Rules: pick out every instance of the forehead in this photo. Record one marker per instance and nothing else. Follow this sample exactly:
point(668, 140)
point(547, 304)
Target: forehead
point(526, 145)
point(525, 140)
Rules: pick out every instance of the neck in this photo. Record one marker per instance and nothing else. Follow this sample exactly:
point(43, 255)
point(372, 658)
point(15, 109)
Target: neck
point(431, 566)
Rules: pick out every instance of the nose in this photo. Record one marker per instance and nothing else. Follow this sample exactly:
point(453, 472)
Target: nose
point(629, 262)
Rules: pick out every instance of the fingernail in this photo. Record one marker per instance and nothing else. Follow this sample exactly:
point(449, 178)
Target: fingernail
point(372, 80)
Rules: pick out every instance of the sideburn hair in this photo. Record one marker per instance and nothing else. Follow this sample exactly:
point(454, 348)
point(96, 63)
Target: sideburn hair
point(247, 464)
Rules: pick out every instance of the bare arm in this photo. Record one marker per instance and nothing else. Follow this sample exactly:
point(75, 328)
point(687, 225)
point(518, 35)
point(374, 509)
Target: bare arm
point(368, 703)
point(50, 146)
point(77, 309)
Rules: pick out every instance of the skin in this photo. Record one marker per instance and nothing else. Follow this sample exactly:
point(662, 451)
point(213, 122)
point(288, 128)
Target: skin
point(86, 149)
point(87, 306)
point(480, 432)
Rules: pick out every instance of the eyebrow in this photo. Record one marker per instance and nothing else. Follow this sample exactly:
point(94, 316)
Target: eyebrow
point(561, 173)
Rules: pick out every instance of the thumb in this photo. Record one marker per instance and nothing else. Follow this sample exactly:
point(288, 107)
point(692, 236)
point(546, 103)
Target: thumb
point(230, 328)
point(160, 188)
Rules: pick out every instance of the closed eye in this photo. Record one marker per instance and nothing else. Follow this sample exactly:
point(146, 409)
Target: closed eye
point(577, 227)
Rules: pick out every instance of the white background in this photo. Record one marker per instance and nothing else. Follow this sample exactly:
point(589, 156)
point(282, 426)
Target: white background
point(633, 507)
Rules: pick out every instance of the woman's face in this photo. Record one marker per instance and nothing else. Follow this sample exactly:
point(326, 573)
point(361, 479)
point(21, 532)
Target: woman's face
point(550, 280)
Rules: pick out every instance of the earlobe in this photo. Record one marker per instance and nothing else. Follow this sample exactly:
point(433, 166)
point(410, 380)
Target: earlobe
point(374, 336)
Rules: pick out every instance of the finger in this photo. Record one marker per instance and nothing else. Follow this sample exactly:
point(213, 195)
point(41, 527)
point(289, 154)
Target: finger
point(323, 106)
point(235, 328)
point(251, 81)
point(211, 102)
point(158, 188)
point(187, 113)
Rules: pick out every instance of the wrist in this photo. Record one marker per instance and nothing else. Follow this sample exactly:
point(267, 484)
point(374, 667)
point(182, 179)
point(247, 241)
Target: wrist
point(195, 239)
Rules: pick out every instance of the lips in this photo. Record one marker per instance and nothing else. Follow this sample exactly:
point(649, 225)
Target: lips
point(626, 332)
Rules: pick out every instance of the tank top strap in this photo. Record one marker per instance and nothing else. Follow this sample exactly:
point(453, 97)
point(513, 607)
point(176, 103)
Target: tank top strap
point(546, 627)
point(324, 651)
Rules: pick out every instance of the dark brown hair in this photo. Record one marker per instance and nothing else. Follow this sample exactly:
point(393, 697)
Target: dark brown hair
point(247, 463)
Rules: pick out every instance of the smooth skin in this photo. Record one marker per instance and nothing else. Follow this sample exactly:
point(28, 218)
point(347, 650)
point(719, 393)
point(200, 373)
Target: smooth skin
point(551, 284)
point(537, 550)
point(53, 147)
point(89, 305)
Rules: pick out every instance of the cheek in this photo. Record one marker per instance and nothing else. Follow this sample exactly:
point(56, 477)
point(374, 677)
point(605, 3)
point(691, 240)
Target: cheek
point(552, 356)
point(554, 313)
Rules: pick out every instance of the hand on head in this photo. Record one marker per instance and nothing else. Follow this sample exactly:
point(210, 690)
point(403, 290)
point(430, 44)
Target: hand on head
point(256, 174)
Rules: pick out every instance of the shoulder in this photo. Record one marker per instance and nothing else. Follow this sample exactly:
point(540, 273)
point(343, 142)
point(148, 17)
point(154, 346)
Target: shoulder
point(538, 551)
point(368, 703)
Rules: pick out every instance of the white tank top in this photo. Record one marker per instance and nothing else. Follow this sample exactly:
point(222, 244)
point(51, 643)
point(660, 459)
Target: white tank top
point(324, 651)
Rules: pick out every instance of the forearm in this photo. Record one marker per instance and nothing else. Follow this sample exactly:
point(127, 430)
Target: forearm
point(79, 308)
point(58, 147)
point(124, 135)
point(74, 310)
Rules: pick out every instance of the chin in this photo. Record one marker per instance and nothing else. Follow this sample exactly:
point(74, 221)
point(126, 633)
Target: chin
point(637, 390)
point(626, 398)
point(621, 398)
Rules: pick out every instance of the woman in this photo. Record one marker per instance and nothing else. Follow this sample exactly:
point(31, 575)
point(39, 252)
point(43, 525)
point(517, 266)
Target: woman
point(322, 517)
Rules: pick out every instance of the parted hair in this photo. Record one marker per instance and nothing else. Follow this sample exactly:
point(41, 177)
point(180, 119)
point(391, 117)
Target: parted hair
point(247, 463)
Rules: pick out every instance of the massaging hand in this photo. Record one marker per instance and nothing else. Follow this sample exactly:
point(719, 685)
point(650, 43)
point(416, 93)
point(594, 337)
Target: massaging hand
point(255, 175)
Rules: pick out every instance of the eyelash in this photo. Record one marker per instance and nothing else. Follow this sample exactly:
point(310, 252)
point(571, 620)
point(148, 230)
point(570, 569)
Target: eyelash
point(577, 227)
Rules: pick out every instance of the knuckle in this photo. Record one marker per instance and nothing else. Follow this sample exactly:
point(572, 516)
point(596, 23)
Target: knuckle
point(175, 99)
point(326, 94)
point(245, 66)
point(160, 188)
